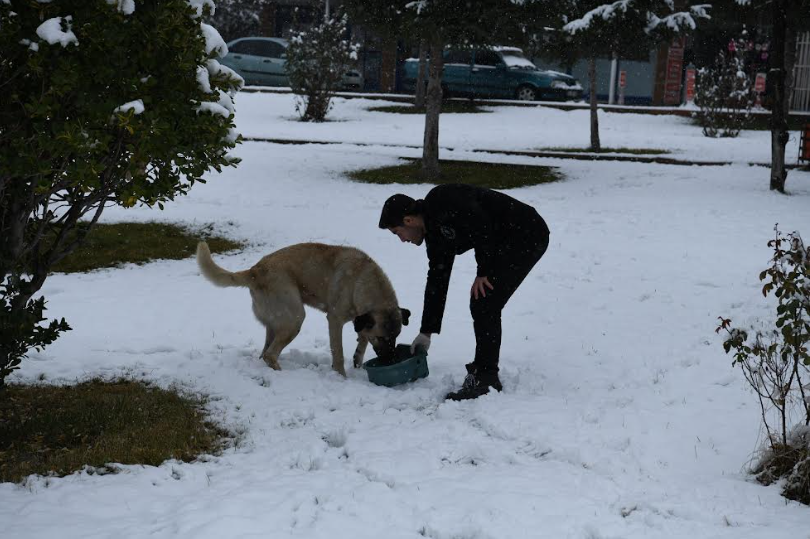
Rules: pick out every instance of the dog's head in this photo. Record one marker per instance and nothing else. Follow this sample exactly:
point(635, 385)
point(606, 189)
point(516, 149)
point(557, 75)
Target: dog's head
point(381, 328)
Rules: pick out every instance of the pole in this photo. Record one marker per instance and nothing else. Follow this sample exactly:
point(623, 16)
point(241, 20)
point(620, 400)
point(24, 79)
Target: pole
point(614, 64)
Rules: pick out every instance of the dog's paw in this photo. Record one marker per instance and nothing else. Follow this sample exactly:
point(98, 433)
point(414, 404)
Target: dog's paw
point(272, 363)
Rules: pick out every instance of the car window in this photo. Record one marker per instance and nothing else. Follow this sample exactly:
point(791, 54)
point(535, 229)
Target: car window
point(269, 49)
point(487, 58)
point(458, 57)
point(243, 47)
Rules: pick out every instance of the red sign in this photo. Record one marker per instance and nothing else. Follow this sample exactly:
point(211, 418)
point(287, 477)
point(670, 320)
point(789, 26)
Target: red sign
point(690, 84)
point(622, 79)
point(672, 86)
point(759, 83)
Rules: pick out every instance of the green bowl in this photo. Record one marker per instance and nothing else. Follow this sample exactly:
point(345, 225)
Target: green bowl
point(408, 367)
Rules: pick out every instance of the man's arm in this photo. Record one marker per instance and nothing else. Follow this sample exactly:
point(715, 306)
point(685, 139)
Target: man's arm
point(440, 266)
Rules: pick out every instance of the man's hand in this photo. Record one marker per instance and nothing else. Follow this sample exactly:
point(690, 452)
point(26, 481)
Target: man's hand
point(480, 285)
point(421, 341)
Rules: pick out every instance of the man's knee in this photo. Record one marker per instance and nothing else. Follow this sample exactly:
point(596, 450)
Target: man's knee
point(485, 308)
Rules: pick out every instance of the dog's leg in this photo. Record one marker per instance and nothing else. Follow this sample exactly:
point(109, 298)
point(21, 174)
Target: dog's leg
point(360, 351)
point(281, 311)
point(282, 337)
point(268, 340)
point(336, 343)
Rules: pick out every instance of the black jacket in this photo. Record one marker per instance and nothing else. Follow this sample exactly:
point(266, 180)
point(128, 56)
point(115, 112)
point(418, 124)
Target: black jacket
point(463, 217)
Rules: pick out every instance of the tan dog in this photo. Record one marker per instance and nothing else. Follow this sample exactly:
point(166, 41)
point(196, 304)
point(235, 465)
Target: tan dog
point(343, 282)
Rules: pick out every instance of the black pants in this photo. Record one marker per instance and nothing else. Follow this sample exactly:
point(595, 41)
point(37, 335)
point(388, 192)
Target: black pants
point(513, 265)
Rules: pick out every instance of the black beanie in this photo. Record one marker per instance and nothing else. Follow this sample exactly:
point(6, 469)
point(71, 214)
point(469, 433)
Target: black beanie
point(395, 209)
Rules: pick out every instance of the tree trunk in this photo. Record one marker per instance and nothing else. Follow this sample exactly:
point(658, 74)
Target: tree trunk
point(790, 63)
point(430, 150)
point(419, 97)
point(595, 145)
point(13, 217)
point(779, 132)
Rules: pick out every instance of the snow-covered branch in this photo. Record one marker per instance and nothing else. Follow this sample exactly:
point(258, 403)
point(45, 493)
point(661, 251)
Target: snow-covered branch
point(675, 21)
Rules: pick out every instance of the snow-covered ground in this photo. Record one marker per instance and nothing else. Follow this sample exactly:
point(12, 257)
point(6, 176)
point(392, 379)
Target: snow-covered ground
point(620, 417)
point(510, 128)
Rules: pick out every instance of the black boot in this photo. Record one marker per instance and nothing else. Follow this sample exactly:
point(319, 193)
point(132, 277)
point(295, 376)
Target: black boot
point(476, 383)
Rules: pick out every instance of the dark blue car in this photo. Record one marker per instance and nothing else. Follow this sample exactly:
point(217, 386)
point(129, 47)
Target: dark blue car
point(499, 72)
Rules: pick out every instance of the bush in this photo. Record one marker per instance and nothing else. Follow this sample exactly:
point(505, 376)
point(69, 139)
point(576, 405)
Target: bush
point(725, 95)
point(316, 61)
point(20, 329)
point(776, 364)
point(102, 103)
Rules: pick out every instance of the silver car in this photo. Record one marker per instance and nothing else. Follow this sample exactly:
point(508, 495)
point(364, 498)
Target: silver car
point(261, 61)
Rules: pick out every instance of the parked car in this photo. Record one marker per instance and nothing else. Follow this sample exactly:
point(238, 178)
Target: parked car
point(261, 61)
point(499, 72)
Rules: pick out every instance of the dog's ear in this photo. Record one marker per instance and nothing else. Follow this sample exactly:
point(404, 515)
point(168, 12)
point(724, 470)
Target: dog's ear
point(364, 321)
point(406, 314)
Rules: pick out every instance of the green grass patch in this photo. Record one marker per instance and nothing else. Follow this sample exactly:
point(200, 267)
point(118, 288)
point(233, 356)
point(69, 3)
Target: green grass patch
point(448, 107)
point(761, 122)
point(632, 151)
point(110, 245)
point(492, 175)
point(57, 430)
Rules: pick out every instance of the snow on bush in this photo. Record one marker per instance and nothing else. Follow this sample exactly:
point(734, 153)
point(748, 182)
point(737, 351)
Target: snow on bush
point(725, 95)
point(316, 61)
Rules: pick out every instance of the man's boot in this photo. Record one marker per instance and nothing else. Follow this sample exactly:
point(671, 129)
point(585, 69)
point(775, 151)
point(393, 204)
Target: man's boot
point(476, 383)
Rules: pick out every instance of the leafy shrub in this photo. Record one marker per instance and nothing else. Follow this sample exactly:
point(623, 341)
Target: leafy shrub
point(103, 102)
point(21, 331)
point(776, 364)
point(725, 95)
point(317, 58)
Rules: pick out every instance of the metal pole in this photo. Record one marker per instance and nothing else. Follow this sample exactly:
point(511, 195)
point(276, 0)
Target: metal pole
point(613, 68)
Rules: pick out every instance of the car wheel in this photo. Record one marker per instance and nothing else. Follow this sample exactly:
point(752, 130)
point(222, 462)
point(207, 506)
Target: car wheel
point(526, 93)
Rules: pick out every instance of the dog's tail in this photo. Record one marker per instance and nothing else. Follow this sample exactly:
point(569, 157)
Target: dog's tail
point(217, 275)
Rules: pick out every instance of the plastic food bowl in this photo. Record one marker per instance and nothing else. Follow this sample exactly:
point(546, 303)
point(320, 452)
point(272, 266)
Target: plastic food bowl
point(407, 368)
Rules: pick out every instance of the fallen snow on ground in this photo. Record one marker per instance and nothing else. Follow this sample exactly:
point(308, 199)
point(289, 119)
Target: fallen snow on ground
point(505, 128)
point(620, 417)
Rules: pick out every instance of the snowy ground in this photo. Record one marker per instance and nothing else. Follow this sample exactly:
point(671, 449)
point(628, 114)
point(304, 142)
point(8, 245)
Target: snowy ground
point(620, 417)
point(510, 128)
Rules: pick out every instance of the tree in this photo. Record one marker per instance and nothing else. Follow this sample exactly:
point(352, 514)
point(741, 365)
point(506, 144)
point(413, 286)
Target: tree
point(238, 18)
point(441, 23)
point(317, 58)
point(786, 17)
point(589, 29)
point(101, 103)
point(781, 21)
